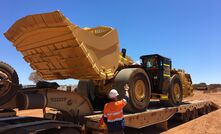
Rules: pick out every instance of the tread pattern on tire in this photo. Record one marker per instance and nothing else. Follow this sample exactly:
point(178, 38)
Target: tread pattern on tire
point(124, 77)
point(6, 68)
point(170, 101)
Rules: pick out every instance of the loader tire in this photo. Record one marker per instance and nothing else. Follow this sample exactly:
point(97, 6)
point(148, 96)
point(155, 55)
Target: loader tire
point(175, 93)
point(8, 90)
point(139, 88)
point(86, 89)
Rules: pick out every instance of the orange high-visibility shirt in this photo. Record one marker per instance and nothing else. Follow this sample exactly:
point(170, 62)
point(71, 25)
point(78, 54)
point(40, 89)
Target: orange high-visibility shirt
point(113, 111)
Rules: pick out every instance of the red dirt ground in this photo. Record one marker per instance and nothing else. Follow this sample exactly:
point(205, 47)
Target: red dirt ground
point(207, 124)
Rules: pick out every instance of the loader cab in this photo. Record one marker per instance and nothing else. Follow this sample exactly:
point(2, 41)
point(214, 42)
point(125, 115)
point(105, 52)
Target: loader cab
point(158, 69)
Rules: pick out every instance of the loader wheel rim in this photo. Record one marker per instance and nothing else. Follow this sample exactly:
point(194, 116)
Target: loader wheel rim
point(4, 84)
point(139, 90)
point(177, 91)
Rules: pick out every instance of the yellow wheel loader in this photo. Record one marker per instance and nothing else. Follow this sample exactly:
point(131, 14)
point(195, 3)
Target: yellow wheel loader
point(58, 49)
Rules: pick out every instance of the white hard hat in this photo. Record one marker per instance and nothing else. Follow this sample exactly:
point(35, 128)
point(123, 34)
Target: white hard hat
point(113, 93)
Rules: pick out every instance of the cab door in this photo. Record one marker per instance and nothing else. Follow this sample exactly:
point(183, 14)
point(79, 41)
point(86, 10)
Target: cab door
point(165, 75)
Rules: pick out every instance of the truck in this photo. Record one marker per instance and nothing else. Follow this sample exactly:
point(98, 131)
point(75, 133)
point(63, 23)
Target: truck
point(59, 49)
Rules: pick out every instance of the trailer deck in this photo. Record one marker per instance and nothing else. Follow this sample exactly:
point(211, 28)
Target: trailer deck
point(158, 115)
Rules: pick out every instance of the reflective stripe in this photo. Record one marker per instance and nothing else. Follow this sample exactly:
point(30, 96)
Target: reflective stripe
point(166, 75)
point(117, 119)
point(113, 117)
point(115, 113)
point(166, 65)
point(164, 97)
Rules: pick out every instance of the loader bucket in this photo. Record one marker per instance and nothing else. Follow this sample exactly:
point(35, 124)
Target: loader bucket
point(58, 49)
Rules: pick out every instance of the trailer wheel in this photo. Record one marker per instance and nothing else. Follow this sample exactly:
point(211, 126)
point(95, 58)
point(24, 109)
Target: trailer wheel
point(8, 82)
point(68, 131)
point(202, 111)
point(185, 117)
point(194, 113)
point(175, 93)
point(208, 109)
point(139, 88)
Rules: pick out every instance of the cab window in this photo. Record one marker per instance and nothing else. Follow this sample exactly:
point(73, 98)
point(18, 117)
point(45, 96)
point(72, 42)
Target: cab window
point(151, 62)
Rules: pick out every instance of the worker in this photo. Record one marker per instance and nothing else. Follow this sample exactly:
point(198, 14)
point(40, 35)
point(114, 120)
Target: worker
point(113, 112)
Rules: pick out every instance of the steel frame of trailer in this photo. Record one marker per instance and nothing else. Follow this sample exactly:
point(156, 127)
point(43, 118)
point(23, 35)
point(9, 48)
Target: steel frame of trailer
point(154, 116)
point(31, 125)
point(157, 116)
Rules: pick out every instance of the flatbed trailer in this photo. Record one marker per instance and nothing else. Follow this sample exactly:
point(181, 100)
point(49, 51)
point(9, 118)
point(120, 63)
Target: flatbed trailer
point(155, 115)
point(159, 116)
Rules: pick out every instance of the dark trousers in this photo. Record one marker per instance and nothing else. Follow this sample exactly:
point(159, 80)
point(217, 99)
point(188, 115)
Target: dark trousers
point(118, 132)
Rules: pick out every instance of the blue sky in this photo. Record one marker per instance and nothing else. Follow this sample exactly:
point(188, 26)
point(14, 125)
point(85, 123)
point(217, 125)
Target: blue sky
point(187, 31)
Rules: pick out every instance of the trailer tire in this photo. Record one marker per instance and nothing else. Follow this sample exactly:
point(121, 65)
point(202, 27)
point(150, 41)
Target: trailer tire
point(202, 111)
point(194, 114)
point(68, 131)
point(139, 88)
point(208, 109)
point(185, 117)
point(9, 91)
